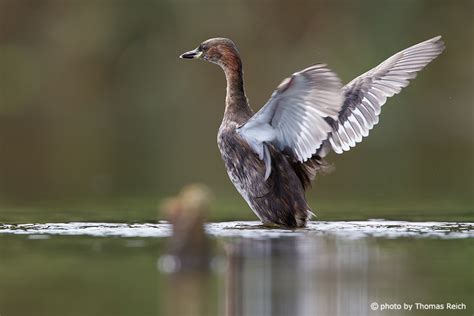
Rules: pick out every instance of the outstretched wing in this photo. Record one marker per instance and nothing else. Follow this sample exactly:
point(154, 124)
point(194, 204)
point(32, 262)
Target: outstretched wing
point(365, 95)
point(294, 119)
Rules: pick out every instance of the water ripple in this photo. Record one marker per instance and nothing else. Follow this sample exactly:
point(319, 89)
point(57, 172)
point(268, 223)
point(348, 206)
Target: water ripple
point(349, 229)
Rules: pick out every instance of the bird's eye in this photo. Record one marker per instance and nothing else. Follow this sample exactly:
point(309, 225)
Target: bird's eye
point(202, 47)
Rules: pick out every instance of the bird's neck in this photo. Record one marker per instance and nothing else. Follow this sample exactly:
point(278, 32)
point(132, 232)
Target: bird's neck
point(236, 101)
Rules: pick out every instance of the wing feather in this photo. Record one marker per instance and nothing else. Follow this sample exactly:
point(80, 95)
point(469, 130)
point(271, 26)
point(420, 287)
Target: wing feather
point(294, 119)
point(366, 94)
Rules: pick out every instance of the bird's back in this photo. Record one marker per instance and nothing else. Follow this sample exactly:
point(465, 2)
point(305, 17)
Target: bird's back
point(279, 199)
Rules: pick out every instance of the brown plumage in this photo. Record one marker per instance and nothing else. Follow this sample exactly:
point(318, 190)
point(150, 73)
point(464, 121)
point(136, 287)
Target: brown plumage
point(273, 155)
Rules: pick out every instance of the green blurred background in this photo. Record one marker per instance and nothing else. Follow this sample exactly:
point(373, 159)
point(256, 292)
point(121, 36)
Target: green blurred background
point(99, 119)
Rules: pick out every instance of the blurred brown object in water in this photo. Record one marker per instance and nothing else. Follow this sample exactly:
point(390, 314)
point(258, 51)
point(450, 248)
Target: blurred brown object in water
point(188, 246)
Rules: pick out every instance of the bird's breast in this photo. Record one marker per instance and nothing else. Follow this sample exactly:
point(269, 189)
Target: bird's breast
point(245, 169)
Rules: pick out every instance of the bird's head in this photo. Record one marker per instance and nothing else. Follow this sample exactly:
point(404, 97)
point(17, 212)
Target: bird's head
point(220, 51)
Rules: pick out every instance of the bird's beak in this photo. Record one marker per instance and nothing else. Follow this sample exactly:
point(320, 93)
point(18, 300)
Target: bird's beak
point(192, 54)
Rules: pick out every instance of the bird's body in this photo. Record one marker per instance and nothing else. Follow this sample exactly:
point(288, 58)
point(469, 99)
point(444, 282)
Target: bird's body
point(272, 156)
point(278, 200)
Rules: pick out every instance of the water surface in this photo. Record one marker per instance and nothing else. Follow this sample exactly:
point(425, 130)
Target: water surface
point(329, 268)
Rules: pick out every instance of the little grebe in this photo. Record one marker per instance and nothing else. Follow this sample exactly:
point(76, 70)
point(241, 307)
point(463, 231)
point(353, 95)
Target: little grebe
point(273, 155)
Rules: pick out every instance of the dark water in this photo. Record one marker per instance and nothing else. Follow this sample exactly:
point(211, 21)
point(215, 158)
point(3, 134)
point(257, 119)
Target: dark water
point(331, 268)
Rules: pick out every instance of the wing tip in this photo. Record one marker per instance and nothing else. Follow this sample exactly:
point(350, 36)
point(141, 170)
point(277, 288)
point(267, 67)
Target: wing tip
point(438, 42)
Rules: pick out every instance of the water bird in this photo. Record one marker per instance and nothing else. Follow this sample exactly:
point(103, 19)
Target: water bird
point(272, 156)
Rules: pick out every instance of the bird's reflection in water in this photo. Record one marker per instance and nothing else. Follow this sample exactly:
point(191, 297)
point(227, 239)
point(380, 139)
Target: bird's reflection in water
point(303, 276)
point(297, 275)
